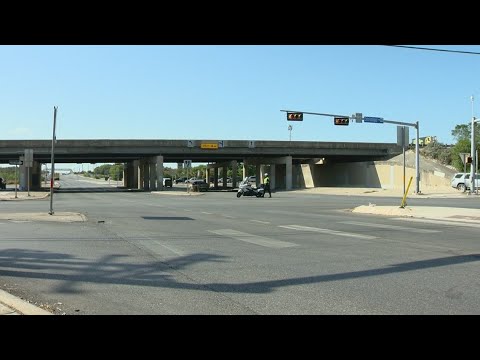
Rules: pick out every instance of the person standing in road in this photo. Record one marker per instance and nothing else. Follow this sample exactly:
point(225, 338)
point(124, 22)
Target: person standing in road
point(266, 184)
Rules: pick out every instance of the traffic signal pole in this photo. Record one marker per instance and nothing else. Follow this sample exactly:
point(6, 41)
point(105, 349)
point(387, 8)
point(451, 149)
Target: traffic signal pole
point(359, 117)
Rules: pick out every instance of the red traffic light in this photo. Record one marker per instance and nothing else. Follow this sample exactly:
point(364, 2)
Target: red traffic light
point(341, 120)
point(295, 116)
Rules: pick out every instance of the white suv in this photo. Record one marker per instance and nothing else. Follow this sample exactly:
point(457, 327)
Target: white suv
point(458, 181)
point(461, 181)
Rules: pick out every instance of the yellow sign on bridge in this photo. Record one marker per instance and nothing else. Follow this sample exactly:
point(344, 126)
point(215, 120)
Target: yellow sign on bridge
point(209, 146)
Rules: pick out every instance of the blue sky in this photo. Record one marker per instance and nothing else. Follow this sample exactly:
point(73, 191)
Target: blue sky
point(233, 92)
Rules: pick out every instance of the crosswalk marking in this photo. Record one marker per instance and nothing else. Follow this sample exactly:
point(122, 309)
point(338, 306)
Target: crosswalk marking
point(392, 227)
point(261, 222)
point(441, 222)
point(253, 239)
point(327, 231)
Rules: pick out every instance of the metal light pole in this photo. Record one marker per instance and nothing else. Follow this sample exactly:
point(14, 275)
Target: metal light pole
point(52, 176)
point(290, 129)
point(472, 154)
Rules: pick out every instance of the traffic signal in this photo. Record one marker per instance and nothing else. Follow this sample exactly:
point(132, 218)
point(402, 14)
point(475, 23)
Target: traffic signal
point(469, 160)
point(341, 120)
point(295, 116)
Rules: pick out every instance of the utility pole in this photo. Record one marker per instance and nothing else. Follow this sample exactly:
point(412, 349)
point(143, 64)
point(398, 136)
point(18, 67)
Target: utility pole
point(52, 176)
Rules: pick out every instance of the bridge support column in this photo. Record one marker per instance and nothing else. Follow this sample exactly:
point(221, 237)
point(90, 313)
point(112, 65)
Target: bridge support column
point(159, 171)
point(244, 169)
point(146, 175)
point(272, 176)
point(141, 174)
point(224, 176)
point(35, 176)
point(129, 175)
point(288, 172)
point(135, 165)
point(234, 173)
point(257, 175)
point(152, 164)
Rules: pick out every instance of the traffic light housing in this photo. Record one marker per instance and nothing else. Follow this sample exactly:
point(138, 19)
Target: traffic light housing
point(469, 159)
point(341, 120)
point(295, 116)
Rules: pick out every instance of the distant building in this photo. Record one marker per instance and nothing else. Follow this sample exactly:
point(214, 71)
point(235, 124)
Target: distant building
point(425, 140)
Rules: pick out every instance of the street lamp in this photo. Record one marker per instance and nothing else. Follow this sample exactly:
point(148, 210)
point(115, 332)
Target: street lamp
point(290, 129)
point(473, 153)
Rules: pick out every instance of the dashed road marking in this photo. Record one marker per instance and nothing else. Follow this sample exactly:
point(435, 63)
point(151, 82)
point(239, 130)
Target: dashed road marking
point(253, 239)
point(261, 222)
point(441, 222)
point(327, 231)
point(392, 227)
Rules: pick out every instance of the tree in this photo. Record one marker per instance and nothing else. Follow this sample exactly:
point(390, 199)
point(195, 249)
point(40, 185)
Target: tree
point(462, 146)
point(462, 133)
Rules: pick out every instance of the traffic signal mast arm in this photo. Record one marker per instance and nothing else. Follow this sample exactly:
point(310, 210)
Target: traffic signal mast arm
point(337, 115)
point(312, 113)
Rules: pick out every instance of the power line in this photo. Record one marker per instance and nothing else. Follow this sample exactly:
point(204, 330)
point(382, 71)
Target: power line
point(431, 49)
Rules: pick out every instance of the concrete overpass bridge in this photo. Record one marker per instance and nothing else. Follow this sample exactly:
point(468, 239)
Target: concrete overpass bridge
point(290, 163)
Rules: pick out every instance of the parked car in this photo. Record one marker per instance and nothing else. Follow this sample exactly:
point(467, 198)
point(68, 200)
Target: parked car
point(458, 181)
point(199, 185)
point(462, 182)
point(180, 180)
point(252, 180)
point(167, 182)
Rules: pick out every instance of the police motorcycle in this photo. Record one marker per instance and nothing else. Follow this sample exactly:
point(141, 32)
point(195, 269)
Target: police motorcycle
point(246, 189)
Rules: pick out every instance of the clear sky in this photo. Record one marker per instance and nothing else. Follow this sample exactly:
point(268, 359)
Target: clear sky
point(233, 92)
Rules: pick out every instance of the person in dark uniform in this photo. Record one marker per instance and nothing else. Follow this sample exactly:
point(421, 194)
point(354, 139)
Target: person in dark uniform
point(266, 184)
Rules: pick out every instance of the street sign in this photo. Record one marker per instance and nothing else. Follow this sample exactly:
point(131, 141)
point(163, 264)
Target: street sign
point(402, 136)
point(358, 117)
point(372, 119)
point(208, 146)
point(464, 156)
point(189, 143)
point(28, 157)
point(187, 164)
point(16, 162)
point(221, 143)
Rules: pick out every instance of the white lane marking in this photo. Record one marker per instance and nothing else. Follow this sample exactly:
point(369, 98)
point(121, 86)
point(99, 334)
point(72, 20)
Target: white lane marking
point(327, 231)
point(393, 227)
point(204, 212)
point(441, 222)
point(173, 250)
point(261, 222)
point(253, 239)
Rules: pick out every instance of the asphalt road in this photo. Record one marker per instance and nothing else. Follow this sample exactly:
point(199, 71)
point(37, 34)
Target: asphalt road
point(144, 253)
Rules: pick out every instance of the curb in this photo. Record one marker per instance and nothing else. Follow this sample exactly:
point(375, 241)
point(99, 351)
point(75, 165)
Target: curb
point(19, 306)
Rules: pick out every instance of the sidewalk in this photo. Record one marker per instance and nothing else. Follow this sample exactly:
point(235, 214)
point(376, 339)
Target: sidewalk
point(12, 305)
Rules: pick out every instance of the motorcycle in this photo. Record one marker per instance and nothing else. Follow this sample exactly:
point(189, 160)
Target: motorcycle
point(246, 189)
